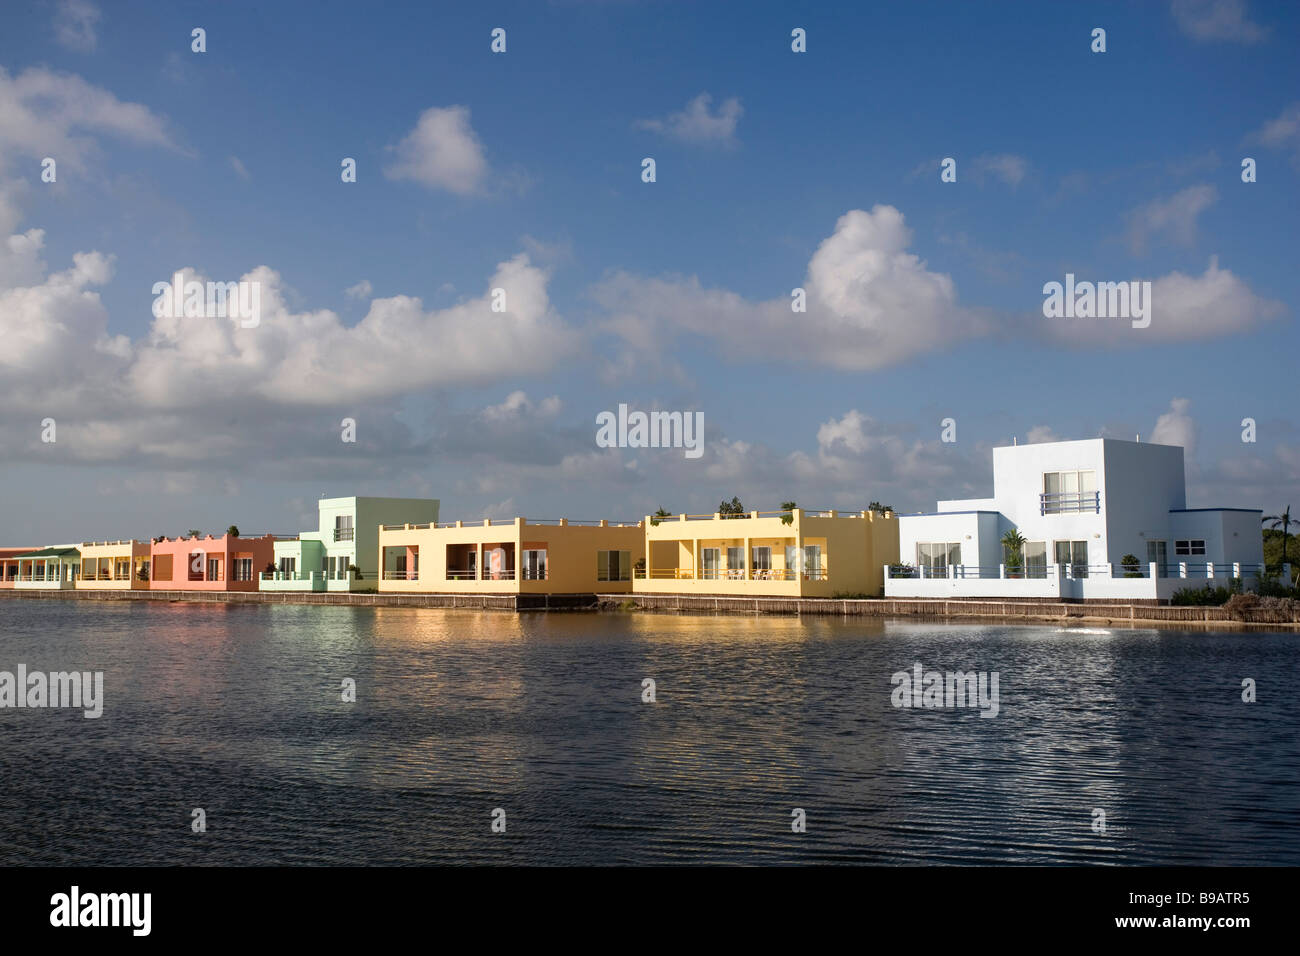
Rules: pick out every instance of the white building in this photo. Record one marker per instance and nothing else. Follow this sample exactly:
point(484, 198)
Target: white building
point(1081, 507)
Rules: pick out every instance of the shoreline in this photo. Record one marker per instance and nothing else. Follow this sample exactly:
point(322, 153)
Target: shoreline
point(1112, 613)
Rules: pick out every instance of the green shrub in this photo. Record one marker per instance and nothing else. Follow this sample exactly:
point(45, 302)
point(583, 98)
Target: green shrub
point(1207, 596)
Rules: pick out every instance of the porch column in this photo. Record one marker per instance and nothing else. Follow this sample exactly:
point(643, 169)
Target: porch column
point(695, 559)
point(478, 562)
point(749, 561)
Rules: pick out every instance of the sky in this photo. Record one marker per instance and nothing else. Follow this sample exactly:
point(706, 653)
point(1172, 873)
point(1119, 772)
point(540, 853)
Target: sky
point(522, 171)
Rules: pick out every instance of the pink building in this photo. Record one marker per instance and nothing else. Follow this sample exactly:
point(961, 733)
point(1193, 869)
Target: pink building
point(9, 565)
point(227, 563)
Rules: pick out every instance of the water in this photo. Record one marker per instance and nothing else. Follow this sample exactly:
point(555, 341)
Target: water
point(238, 710)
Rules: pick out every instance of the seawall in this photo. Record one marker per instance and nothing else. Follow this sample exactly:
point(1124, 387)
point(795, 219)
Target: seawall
point(1135, 613)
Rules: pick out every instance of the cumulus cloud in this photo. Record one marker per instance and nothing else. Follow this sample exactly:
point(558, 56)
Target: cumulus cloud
point(196, 390)
point(442, 152)
point(699, 123)
point(1210, 20)
point(75, 22)
point(1176, 427)
point(1173, 218)
point(870, 303)
point(361, 290)
point(1183, 308)
point(43, 113)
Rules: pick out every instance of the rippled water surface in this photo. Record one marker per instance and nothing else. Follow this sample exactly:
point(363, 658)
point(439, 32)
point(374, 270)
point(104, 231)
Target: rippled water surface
point(237, 710)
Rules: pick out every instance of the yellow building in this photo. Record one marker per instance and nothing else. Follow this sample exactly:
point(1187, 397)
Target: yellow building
point(512, 556)
point(114, 566)
point(794, 553)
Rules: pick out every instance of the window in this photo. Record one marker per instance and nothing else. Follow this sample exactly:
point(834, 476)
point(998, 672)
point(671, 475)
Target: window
point(243, 569)
point(1035, 553)
point(1069, 492)
point(343, 528)
point(762, 559)
point(534, 564)
point(1075, 555)
point(214, 569)
point(936, 556)
point(735, 562)
point(806, 562)
point(710, 558)
point(122, 569)
point(1157, 551)
point(615, 565)
point(1194, 547)
point(289, 566)
point(162, 568)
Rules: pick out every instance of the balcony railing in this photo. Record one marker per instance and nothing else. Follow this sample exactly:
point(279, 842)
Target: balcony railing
point(401, 575)
point(1069, 502)
point(1145, 569)
point(733, 574)
point(344, 534)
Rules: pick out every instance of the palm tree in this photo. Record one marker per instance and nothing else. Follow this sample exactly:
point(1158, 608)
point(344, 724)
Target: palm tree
point(788, 507)
point(659, 516)
point(1282, 522)
point(1013, 543)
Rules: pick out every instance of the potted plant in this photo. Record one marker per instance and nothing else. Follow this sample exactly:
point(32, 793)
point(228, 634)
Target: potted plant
point(1013, 544)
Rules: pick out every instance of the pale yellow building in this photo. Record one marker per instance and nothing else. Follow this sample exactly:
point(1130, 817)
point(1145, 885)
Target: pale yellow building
point(114, 566)
point(795, 553)
point(510, 556)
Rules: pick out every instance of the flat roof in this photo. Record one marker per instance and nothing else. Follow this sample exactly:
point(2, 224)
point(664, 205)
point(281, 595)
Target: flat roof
point(1253, 511)
point(935, 514)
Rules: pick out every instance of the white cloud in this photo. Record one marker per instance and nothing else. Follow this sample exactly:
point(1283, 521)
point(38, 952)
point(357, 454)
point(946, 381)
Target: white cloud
point(1005, 166)
point(1209, 20)
point(698, 123)
point(240, 169)
point(870, 303)
point(74, 24)
point(1282, 132)
point(518, 405)
point(1184, 308)
point(1040, 434)
point(442, 152)
point(43, 113)
point(1173, 218)
point(1176, 427)
point(313, 358)
point(361, 290)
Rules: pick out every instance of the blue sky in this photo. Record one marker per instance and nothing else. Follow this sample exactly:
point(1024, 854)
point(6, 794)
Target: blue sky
point(817, 170)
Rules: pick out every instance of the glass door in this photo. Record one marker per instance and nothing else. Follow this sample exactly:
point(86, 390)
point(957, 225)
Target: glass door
point(711, 559)
point(1158, 551)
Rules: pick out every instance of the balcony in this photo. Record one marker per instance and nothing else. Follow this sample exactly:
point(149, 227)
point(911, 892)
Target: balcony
point(1069, 502)
point(734, 574)
point(401, 575)
point(344, 534)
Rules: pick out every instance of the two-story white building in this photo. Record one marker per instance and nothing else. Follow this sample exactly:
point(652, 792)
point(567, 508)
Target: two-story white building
point(1081, 507)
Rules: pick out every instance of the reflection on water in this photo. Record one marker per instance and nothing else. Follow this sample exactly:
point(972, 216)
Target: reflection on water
point(238, 710)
